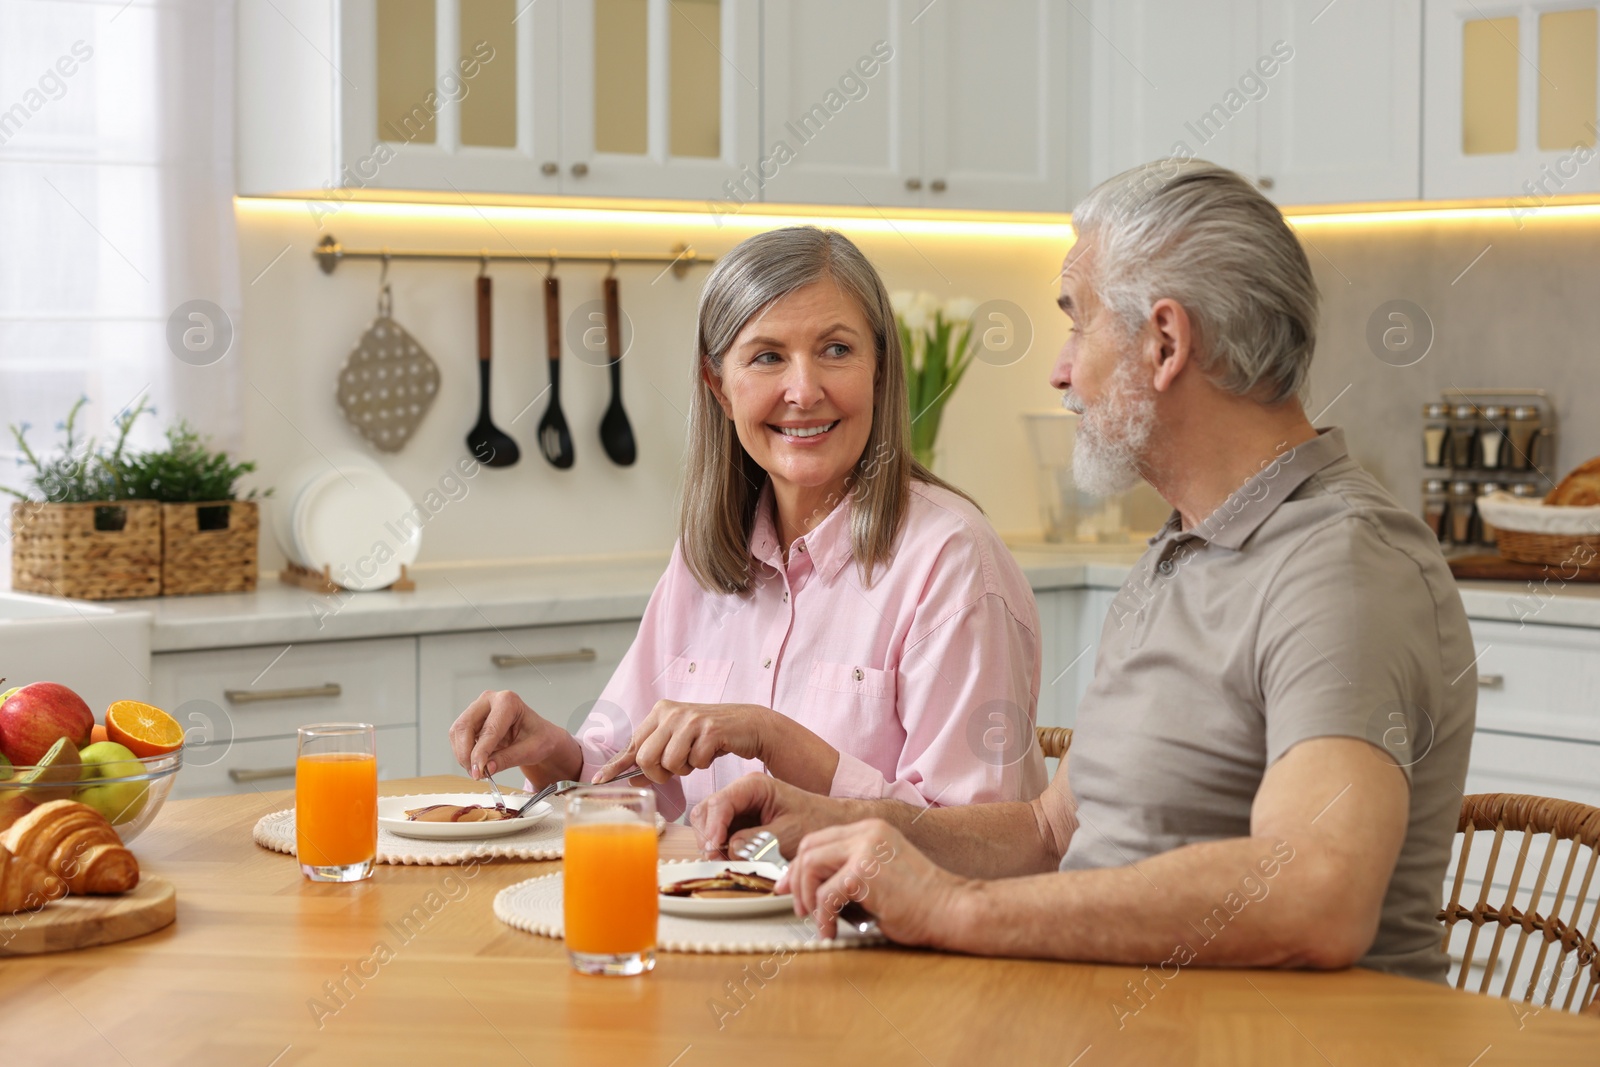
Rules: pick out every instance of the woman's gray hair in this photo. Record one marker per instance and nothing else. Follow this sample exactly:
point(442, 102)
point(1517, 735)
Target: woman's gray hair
point(1199, 234)
point(722, 482)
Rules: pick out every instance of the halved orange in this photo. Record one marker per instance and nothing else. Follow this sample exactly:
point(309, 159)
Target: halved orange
point(145, 730)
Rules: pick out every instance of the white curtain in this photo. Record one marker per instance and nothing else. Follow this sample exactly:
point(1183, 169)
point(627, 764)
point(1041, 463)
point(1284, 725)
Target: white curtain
point(116, 210)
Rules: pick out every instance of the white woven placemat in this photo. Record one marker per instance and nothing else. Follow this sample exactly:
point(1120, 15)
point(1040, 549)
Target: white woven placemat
point(535, 906)
point(541, 841)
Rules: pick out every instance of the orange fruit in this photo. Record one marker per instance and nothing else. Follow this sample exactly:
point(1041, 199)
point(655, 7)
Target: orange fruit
point(144, 729)
point(98, 734)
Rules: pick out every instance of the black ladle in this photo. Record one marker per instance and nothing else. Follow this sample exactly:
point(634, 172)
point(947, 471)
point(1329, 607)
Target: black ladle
point(487, 442)
point(616, 435)
point(554, 439)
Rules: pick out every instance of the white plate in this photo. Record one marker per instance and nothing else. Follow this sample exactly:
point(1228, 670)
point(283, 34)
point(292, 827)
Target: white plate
point(730, 908)
point(392, 817)
point(282, 504)
point(359, 522)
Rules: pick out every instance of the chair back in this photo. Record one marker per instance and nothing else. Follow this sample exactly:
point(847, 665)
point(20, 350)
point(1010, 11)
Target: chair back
point(1524, 886)
point(1054, 741)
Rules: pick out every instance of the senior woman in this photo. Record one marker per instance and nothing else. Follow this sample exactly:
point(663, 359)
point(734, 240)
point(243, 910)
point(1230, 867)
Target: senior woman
point(832, 613)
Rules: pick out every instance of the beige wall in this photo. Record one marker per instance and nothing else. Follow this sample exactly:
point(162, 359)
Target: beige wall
point(1524, 315)
point(300, 324)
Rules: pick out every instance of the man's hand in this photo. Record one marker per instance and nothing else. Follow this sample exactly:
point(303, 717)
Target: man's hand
point(729, 817)
point(498, 731)
point(871, 863)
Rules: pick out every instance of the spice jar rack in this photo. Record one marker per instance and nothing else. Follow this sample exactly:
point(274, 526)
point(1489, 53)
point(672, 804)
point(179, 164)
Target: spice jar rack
point(1479, 441)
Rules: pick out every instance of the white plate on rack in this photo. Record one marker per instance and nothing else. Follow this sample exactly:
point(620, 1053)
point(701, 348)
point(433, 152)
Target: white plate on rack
point(726, 908)
point(357, 521)
point(392, 817)
point(282, 504)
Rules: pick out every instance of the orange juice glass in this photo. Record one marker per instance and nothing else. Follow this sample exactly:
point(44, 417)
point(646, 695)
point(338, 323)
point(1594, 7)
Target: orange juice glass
point(609, 879)
point(336, 801)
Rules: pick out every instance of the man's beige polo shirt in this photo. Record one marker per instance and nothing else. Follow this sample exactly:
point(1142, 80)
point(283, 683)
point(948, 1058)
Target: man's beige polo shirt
point(1309, 605)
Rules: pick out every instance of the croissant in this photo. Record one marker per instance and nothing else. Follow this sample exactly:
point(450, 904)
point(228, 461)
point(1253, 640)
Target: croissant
point(75, 843)
point(26, 886)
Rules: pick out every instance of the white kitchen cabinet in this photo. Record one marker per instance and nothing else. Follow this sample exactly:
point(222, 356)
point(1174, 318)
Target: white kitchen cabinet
point(558, 670)
point(272, 690)
point(1161, 73)
point(1316, 103)
point(1511, 97)
point(1070, 621)
point(1538, 712)
point(902, 103)
point(1341, 121)
point(267, 764)
point(638, 98)
point(407, 94)
point(659, 98)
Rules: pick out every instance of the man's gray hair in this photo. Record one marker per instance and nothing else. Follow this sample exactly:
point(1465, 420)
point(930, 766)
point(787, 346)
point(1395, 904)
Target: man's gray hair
point(1201, 235)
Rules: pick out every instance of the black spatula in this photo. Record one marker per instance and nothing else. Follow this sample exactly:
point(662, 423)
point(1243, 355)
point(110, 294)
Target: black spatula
point(487, 442)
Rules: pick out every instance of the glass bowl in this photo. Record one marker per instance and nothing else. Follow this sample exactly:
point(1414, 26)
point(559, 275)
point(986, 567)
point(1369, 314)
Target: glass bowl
point(129, 803)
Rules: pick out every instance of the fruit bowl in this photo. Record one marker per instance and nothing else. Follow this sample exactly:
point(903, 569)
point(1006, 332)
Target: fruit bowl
point(129, 800)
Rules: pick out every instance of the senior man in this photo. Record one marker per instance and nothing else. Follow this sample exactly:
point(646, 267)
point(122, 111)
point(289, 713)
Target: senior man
point(1267, 766)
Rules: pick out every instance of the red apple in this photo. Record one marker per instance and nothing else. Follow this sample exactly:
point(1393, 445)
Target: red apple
point(37, 716)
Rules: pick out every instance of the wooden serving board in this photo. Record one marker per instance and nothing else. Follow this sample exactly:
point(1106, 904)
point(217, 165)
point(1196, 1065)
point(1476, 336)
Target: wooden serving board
point(81, 921)
point(1495, 568)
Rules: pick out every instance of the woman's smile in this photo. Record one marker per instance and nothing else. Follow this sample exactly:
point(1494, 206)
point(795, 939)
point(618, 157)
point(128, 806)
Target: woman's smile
point(804, 434)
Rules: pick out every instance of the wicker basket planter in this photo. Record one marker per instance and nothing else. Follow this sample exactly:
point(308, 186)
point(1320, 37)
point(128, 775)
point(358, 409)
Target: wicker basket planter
point(57, 550)
point(209, 548)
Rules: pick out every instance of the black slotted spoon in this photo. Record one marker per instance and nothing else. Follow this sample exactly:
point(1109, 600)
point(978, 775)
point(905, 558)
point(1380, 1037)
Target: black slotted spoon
point(616, 433)
point(555, 441)
point(492, 446)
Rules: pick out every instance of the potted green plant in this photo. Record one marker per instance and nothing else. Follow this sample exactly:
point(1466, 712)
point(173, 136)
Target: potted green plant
point(210, 537)
point(936, 343)
point(78, 529)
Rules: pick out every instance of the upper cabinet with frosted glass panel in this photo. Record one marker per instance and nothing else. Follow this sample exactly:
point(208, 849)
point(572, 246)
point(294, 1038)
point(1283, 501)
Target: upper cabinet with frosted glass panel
point(646, 98)
point(1511, 101)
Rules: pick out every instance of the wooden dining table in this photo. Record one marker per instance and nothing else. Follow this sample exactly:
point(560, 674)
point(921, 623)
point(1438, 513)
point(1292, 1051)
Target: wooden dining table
point(238, 979)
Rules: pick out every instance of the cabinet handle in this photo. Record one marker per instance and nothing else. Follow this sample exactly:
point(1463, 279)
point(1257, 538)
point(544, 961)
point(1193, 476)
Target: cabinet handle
point(581, 655)
point(241, 775)
point(1491, 681)
point(1265, 181)
point(913, 184)
point(257, 696)
point(580, 169)
point(549, 168)
point(937, 185)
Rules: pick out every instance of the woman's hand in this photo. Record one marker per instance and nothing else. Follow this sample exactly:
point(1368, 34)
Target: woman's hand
point(498, 731)
point(677, 738)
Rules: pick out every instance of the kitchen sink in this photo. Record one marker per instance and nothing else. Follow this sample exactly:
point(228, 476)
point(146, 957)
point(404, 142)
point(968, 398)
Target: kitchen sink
point(101, 652)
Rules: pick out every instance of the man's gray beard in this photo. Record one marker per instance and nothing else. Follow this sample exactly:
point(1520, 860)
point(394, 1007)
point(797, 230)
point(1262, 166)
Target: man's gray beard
point(1113, 434)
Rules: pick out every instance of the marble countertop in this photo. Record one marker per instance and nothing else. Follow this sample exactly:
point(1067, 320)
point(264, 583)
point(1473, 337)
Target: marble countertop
point(485, 596)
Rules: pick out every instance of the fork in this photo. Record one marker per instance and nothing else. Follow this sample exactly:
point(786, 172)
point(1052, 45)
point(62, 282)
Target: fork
point(499, 801)
point(763, 846)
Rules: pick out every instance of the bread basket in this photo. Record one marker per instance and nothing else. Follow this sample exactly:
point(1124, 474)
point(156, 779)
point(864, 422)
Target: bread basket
point(1531, 531)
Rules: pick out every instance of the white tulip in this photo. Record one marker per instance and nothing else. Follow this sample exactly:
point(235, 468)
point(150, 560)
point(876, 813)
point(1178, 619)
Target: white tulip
point(958, 310)
point(901, 299)
point(917, 317)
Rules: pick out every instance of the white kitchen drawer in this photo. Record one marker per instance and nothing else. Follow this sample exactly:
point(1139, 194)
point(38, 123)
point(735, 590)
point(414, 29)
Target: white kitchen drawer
point(272, 690)
point(559, 670)
point(248, 766)
point(1541, 680)
point(1508, 763)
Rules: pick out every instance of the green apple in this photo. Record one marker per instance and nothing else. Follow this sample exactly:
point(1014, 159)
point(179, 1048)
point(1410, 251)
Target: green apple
point(7, 694)
point(119, 802)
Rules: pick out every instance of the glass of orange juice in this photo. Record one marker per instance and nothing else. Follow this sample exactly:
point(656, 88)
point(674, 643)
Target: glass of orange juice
point(609, 879)
point(336, 801)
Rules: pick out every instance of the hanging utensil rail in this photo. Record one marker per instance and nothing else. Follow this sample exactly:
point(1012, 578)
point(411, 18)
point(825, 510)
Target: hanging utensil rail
point(329, 252)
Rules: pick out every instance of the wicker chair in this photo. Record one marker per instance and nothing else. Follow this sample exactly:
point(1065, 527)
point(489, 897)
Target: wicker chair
point(1055, 740)
point(1540, 830)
